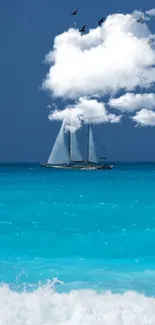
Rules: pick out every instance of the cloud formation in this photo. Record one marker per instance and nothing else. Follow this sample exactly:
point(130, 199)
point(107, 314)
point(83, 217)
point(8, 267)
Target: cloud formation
point(84, 111)
point(144, 117)
point(118, 56)
point(105, 60)
point(131, 102)
point(150, 12)
point(138, 13)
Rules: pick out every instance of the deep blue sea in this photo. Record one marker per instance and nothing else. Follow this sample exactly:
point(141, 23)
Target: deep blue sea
point(77, 247)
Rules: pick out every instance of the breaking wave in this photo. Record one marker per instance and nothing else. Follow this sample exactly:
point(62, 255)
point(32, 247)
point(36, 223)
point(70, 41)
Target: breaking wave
point(45, 306)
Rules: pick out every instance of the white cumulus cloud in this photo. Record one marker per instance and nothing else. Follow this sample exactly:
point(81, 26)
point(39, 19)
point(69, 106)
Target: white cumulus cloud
point(138, 13)
point(150, 12)
point(84, 111)
point(145, 117)
point(131, 102)
point(118, 56)
point(115, 56)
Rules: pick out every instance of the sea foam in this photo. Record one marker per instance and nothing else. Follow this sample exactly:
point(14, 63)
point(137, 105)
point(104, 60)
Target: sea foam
point(45, 306)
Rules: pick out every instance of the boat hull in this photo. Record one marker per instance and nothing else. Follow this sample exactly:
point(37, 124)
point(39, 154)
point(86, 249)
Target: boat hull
point(99, 167)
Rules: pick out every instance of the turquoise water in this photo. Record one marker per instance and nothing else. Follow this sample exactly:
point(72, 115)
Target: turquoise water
point(94, 231)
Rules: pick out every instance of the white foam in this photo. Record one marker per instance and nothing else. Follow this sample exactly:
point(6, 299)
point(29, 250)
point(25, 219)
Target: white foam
point(45, 306)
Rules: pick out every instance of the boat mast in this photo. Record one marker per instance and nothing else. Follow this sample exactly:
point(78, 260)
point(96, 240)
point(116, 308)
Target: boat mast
point(69, 139)
point(69, 145)
point(87, 160)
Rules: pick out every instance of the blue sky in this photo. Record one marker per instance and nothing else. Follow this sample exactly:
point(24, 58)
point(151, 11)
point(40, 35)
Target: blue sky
point(27, 32)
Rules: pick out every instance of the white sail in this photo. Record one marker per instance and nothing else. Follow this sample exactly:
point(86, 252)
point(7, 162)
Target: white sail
point(92, 151)
point(59, 154)
point(75, 151)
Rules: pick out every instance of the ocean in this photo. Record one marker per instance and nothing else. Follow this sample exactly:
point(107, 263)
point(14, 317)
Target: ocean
point(77, 247)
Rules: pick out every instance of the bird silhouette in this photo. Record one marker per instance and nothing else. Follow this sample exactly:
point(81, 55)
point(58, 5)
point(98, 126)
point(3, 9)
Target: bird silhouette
point(101, 21)
point(74, 13)
point(82, 30)
point(140, 19)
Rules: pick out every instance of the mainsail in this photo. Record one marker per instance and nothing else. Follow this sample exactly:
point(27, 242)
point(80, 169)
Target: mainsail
point(74, 148)
point(59, 154)
point(92, 157)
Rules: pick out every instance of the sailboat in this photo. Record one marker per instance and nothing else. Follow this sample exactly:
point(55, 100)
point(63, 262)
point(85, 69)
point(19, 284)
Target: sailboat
point(68, 156)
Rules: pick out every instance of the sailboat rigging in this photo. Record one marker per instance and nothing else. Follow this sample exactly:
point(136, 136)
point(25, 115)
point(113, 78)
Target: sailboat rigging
point(69, 156)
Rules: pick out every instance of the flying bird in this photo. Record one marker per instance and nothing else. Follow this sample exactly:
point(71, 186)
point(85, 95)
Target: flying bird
point(101, 21)
point(74, 13)
point(140, 19)
point(82, 30)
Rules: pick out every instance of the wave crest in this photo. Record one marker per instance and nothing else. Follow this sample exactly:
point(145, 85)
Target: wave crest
point(45, 306)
